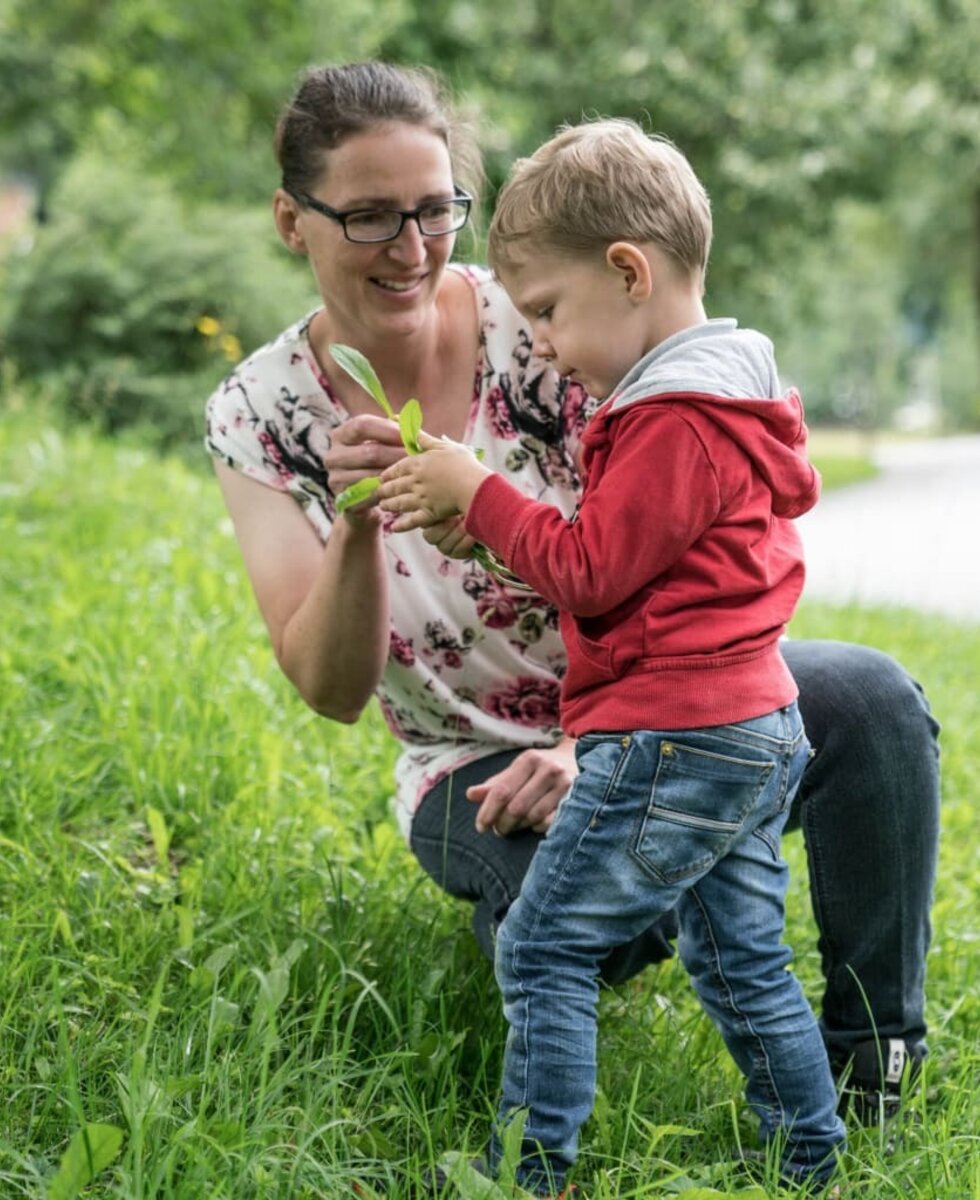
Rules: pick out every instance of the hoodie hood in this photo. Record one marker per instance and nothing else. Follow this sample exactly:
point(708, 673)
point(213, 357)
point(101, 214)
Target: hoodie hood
point(730, 375)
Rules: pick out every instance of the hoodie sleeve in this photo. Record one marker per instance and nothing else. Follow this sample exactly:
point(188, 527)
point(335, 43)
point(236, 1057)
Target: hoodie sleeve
point(657, 495)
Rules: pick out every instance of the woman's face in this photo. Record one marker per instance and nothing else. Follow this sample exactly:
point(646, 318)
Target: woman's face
point(379, 289)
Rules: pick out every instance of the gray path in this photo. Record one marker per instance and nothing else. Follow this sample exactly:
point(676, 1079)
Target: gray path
point(911, 536)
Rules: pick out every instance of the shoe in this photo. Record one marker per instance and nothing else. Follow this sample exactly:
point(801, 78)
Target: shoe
point(871, 1077)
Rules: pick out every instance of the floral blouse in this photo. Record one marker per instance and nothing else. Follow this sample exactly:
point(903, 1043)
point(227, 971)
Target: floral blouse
point(474, 665)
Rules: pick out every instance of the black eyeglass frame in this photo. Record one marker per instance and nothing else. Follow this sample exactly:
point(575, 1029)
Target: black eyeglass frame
point(459, 197)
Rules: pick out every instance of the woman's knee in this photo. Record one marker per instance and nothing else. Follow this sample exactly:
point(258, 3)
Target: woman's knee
point(861, 692)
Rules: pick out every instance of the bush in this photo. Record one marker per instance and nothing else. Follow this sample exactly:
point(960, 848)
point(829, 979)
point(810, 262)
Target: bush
point(132, 305)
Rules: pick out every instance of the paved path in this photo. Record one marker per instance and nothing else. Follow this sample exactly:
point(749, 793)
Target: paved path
point(910, 536)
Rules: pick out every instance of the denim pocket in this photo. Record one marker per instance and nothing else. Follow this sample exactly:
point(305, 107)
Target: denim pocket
point(698, 807)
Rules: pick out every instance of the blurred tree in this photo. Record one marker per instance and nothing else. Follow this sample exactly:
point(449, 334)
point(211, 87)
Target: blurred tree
point(190, 89)
point(788, 109)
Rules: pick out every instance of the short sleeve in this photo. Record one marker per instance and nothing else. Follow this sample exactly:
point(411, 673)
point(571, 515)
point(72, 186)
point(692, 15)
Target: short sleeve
point(272, 419)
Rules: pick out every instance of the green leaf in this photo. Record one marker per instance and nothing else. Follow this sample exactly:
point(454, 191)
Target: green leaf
point(89, 1152)
point(273, 990)
point(360, 370)
point(469, 1183)
point(494, 566)
point(410, 424)
point(62, 927)
point(159, 832)
point(357, 492)
point(512, 1145)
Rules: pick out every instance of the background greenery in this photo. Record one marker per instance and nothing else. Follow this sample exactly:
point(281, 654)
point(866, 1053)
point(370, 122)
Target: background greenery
point(219, 958)
point(840, 142)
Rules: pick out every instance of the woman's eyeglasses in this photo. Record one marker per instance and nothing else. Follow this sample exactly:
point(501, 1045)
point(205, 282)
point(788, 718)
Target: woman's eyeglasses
point(434, 219)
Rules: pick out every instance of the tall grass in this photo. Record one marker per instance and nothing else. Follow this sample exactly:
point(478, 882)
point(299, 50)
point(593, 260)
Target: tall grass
point(220, 961)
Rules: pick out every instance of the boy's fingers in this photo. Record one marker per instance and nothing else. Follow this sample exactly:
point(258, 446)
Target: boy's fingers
point(419, 519)
point(428, 442)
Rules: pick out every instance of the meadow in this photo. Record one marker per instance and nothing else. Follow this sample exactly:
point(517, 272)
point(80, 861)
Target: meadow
point(223, 975)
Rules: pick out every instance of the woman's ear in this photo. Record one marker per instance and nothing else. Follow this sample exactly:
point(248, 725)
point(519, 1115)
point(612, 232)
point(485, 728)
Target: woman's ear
point(286, 212)
point(634, 267)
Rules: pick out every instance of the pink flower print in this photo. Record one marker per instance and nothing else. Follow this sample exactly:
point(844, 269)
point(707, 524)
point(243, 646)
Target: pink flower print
point(457, 723)
point(401, 650)
point(496, 609)
point(273, 454)
point(500, 418)
point(524, 701)
point(577, 408)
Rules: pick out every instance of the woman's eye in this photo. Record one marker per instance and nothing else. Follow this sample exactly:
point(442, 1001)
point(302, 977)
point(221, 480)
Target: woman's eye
point(544, 314)
point(371, 221)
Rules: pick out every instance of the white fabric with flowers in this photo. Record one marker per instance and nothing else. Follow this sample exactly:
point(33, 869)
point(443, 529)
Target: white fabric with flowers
point(474, 665)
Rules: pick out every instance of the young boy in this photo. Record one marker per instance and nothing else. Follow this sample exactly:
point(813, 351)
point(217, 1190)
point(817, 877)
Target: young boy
point(674, 580)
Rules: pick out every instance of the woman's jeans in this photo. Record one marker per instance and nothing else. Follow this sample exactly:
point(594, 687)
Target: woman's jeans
point(868, 807)
point(689, 820)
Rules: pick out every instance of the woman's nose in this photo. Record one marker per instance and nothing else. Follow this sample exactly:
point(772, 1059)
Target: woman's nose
point(409, 246)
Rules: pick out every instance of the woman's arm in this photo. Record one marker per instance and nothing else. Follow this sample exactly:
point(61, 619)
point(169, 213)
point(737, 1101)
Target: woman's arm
point(326, 607)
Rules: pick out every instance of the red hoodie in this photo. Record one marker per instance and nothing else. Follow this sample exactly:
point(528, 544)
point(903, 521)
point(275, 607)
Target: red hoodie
point(681, 567)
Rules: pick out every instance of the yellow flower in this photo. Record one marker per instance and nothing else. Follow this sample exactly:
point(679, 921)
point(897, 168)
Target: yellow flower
point(208, 326)
point(231, 346)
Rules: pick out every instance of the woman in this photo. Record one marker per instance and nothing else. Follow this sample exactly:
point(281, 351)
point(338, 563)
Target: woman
point(466, 667)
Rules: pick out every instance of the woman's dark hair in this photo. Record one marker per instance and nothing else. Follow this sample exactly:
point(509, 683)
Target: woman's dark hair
point(332, 104)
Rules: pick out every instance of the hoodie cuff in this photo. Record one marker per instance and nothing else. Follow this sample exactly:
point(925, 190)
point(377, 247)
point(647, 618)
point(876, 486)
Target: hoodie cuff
point(496, 515)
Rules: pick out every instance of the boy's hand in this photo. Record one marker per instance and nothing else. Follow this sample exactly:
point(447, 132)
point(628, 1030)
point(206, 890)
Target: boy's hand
point(450, 538)
point(429, 488)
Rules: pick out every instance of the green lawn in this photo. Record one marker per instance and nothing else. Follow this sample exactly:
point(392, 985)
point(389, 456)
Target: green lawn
point(219, 958)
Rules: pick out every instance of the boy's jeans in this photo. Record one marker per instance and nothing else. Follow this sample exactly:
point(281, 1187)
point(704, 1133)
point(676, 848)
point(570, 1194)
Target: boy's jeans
point(657, 819)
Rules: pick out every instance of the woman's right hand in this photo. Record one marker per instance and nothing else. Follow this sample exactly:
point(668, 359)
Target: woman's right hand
point(525, 794)
point(364, 445)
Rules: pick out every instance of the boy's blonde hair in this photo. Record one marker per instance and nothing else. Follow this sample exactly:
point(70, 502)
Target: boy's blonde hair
point(601, 182)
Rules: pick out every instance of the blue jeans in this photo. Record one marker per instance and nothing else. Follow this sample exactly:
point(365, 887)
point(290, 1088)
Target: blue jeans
point(688, 820)
point(868, 808)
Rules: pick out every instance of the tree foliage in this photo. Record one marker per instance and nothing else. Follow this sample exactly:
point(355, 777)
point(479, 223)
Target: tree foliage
point(792, 111)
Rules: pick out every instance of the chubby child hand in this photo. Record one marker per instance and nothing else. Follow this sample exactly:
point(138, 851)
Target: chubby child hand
point(428, 488)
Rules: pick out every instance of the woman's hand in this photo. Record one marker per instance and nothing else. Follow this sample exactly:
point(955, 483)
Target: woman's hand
point(526, 793)
point(364, 445)
point(427, 489)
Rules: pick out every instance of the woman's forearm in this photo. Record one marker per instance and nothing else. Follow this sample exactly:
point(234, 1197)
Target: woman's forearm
point(335, 645)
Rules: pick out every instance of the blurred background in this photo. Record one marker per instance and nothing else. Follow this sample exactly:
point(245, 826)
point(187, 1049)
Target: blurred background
point(839, 140)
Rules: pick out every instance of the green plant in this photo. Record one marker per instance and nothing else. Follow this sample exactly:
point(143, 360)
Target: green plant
point(410, 426)
point(215, 941)
point(132, 303)
point(409, 419)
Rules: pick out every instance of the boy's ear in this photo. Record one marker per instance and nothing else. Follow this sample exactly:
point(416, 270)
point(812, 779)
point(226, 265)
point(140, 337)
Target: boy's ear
point(634, 267)
point(286, 211)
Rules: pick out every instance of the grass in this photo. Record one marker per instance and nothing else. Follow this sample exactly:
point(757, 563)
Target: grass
point(218, 957)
